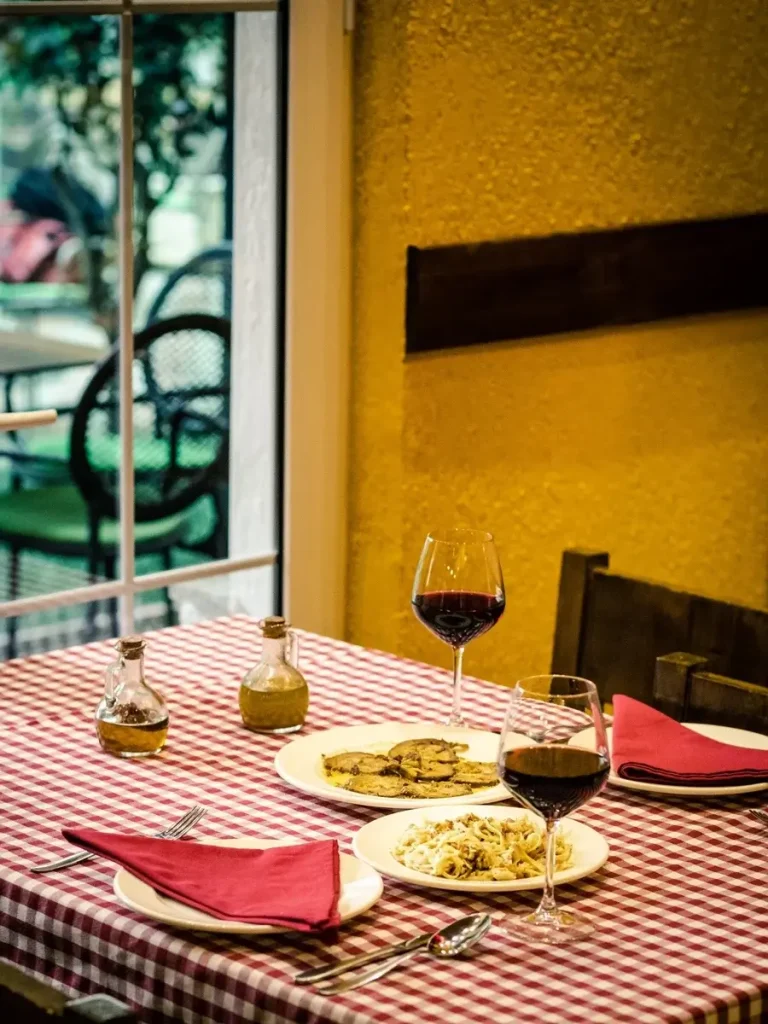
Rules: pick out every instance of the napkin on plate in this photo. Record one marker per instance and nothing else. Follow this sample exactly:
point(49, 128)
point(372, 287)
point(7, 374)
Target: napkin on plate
point(650, 747)
point(285, 886)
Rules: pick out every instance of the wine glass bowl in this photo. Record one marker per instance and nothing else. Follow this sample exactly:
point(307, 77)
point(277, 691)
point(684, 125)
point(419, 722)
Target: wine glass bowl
point(458, 593)
point(552, 778)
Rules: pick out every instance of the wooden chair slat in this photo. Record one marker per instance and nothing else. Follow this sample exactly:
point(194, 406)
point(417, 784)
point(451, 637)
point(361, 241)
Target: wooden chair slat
point(686, 690)
point(612, 627)
point(575, 578)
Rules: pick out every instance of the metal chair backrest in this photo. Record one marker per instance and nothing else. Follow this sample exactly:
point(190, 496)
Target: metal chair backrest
point(202, 285)
point(181, 388)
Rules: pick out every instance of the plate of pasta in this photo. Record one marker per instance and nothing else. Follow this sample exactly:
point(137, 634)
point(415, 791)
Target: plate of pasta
point(476, 849)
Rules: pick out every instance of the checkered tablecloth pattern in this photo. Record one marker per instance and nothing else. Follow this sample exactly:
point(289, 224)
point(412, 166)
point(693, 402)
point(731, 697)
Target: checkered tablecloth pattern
point(681, 906)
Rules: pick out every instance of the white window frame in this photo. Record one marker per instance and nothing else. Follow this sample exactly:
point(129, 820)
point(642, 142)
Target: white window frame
point(317, 317)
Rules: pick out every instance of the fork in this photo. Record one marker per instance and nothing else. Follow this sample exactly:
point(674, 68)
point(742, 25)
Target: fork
point(760, 816)
point(176, 831)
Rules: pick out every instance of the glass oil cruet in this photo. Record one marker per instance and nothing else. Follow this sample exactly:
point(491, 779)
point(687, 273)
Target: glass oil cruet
point(274, 695)
point(131, 719)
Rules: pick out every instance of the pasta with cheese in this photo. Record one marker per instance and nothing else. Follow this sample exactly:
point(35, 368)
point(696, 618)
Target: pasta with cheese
point(478, 848)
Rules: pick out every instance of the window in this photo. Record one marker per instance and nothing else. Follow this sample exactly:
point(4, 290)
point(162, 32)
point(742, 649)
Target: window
point(151, 142)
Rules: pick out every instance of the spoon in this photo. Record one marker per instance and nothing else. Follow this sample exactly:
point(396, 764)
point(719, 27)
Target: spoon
point(455, 938)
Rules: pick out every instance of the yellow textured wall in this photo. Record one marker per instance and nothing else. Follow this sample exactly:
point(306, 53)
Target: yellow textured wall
point(481, 119)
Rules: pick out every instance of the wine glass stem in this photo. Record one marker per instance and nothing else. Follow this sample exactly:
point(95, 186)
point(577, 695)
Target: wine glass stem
point(548, 904)
point(458, 657)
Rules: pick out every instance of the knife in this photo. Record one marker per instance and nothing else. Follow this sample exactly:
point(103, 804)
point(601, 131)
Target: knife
point(332, 970)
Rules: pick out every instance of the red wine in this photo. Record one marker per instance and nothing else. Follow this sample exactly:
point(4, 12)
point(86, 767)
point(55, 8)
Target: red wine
point(458, 616)
point(553, 779)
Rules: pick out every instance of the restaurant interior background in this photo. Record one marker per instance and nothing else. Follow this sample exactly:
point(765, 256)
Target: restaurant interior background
point(495, 120)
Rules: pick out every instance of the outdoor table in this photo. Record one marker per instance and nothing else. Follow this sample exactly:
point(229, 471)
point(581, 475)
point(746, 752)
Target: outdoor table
point(680, 907)
point(25, 352)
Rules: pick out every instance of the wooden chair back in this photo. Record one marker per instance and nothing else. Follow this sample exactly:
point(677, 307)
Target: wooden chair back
point(684, 689)
point(25, 1000)
point(611, 628)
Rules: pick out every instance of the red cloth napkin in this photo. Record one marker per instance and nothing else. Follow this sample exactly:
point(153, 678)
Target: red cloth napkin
point(285, 886)
point(650, 747)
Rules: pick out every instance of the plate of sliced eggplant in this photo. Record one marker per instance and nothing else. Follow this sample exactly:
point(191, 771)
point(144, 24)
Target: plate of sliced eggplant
point(395, 765)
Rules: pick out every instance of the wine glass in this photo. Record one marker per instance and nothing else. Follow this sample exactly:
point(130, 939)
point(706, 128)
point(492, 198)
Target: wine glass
point(548, 776)
point(458, 593)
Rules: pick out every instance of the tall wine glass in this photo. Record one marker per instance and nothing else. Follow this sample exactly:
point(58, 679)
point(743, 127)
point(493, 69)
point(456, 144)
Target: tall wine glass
point(548, 776)
point(458, 593)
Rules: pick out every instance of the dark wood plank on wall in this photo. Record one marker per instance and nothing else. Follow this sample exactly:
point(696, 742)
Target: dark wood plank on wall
point(528, 287)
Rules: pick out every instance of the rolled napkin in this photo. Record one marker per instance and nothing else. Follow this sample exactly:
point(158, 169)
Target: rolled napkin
point(285, 886)
point(650, 747)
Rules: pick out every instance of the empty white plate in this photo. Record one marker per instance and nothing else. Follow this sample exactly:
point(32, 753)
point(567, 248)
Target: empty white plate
point(361, 886)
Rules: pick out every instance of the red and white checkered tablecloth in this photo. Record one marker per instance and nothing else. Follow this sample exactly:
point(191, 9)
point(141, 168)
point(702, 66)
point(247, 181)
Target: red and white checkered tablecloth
point(681, 906)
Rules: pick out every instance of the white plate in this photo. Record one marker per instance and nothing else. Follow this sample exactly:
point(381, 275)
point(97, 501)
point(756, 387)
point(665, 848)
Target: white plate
point(361, 886)
point(723, 733)
point(300, 763)
point(375, 840)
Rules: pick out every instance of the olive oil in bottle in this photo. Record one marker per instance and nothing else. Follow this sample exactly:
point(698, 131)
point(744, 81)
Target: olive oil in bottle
point(274, 696)
point(131, 719)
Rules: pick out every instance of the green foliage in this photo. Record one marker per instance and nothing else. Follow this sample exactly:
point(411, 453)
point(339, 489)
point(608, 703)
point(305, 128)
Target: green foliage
point(73, 62)
point(76, 59)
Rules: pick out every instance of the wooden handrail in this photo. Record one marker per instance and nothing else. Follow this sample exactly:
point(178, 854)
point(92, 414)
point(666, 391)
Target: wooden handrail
point(23, 420)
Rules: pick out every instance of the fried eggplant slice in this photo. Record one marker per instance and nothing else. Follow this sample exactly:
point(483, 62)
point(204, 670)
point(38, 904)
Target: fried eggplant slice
point(431, 790)
point(377, 785)
point(427, 749)
point(358, 763)
point(476, 773)
point(426, 770)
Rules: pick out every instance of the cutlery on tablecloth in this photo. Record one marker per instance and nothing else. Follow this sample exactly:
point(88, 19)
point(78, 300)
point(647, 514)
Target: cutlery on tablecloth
point(349, 963)
point(760, 816)
point(176, 831)
point(450, 941)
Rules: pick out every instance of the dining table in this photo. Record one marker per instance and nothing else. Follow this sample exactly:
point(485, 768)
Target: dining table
point(680, 908)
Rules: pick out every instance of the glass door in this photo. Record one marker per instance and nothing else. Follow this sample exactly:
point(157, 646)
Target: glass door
point(141, 238)
point(174, 263)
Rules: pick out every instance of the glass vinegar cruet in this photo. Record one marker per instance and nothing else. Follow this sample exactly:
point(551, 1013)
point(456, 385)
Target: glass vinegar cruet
point(274, 696)
point(132, 718)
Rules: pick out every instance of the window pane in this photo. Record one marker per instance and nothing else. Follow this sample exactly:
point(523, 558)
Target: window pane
point(247, 592)
point(205, 397)
point(59, 131)
point(52, 628)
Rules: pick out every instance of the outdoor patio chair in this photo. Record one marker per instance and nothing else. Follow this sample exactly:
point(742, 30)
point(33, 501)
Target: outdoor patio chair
point(202, 285)
point(180, 421)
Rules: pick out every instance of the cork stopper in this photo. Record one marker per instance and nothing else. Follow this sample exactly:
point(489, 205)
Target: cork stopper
point(131, 647)
point(274, 627)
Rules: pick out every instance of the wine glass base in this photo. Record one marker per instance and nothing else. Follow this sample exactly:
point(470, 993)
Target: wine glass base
point(553, 927)
point(457, 722)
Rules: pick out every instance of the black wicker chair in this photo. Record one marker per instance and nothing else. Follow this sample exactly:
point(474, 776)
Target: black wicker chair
point(181, 379)
point(202, 285)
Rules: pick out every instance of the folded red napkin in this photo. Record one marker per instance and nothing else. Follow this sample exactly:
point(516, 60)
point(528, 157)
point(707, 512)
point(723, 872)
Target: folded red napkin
point(650, 747)
point(285, 886)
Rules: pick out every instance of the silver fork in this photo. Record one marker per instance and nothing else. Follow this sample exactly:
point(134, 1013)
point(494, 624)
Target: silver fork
point(176, 831)
point(760, 816)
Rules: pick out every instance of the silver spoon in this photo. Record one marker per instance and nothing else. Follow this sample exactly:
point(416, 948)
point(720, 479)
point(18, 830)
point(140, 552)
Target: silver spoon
point(455, 938)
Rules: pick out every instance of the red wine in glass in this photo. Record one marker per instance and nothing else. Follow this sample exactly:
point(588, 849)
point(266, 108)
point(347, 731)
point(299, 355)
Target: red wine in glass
point(552, 776)
point(458, 593)
point(458, 616)
point(554, 779)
